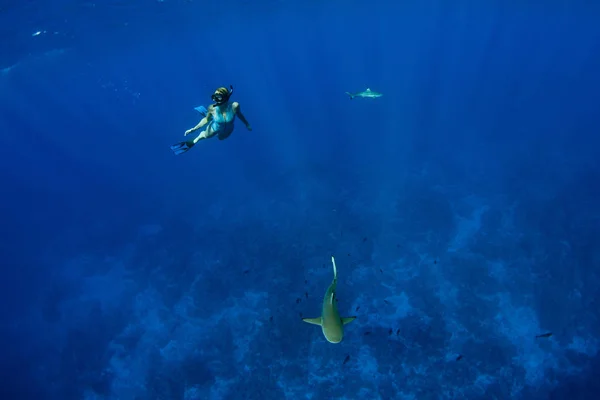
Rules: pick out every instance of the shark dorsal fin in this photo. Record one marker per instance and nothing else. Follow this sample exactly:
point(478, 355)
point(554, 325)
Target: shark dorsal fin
point(368, 90)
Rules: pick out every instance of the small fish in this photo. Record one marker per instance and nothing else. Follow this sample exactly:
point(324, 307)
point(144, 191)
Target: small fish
point(390, 332)
point(398, 332)
point(367, 333)
point(306, 294)
point(246, 271)
point(298, 300)
point(367, 94)
point(460, 356)
point(271, 318)
point(357, 308)
point(544, 335)
point(346, 359)
point(386, 302)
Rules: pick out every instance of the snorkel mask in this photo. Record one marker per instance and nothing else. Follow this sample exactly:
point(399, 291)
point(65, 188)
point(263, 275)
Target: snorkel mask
point(222, 95)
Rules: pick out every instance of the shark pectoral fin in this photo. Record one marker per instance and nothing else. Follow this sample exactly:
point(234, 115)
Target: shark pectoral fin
point(347, 320)
point(314, 321)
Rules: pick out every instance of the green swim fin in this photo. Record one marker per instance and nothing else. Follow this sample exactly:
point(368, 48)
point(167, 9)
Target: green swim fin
point(182, 147)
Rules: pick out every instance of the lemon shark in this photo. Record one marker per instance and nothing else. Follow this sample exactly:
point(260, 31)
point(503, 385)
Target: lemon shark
point(367, 94)
point(330, 321)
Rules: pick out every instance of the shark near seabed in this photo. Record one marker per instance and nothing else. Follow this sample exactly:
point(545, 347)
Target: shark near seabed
point(330, 321)
point(367, 94)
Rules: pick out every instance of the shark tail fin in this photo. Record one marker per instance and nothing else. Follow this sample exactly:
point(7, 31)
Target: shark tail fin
point(350, 94)
point(334, 269)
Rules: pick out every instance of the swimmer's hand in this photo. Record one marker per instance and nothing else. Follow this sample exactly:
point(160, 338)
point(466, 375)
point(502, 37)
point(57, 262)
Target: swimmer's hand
point(188, 132)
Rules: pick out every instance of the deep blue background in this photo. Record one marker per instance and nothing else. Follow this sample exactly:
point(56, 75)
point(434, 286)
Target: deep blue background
point(462, 205)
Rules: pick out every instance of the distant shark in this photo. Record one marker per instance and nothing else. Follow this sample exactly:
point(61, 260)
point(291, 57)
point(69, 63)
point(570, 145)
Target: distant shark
point(367, 94)
point(330, 321)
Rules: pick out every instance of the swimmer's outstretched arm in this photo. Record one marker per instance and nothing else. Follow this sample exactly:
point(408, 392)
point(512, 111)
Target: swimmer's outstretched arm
point(202, 122)
point(238, 112)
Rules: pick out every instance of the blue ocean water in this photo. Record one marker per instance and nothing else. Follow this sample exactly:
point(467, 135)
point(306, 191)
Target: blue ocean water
point(462, 207)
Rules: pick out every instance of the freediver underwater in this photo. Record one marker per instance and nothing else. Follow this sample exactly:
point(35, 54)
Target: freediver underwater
point(218, 118)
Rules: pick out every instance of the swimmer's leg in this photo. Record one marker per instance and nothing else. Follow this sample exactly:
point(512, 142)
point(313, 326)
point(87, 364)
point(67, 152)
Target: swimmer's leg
point(202, 110)
point(205, 134)
point(182, 147)
point(225, 133)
